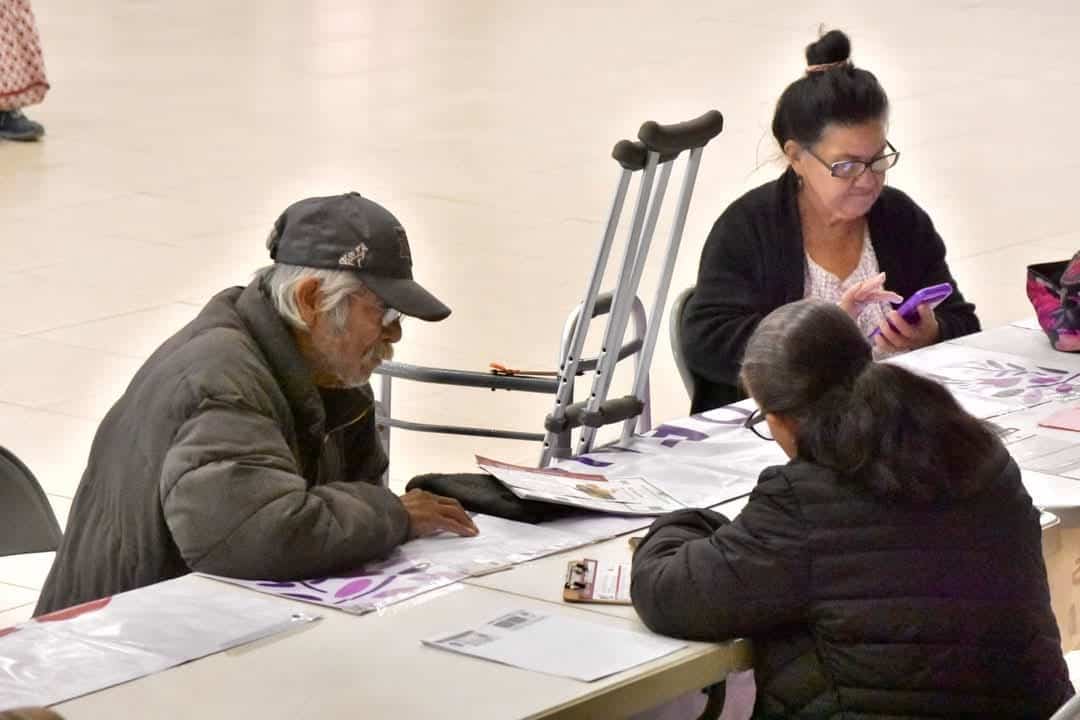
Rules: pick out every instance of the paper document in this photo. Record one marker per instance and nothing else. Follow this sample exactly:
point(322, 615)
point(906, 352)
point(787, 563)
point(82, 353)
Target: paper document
point(616, 496)
point(1064, 462)
point(1028, 324)
point(693, 481)
point(1066, 419)
point(1007, 434)
point(426, 564)
point(500, 544)
point(115, 639)
point(988, 383)
point(1040, 452)
point(1051, 491)
point(600, 527)
point(376, 586)
point(557, 645)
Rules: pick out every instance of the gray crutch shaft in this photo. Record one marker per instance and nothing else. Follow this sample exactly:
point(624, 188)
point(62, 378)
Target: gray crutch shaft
point(623, 291)
point(569, 364)
point(664, 286)
point(621, 314)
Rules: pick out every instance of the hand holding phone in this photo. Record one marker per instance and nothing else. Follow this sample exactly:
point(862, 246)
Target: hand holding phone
point(864, 293)
point(909, 310)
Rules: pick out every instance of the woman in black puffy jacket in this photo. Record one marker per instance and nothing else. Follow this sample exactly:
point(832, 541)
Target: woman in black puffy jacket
point(893, 568)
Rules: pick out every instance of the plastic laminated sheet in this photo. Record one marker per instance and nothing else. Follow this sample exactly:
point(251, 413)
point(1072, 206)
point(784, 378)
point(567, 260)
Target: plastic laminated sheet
point(372, 588)
point(106, 642)
point(423, 565)
point(500, 544)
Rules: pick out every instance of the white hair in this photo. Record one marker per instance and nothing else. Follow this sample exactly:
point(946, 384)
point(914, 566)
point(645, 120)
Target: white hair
point(281, 281)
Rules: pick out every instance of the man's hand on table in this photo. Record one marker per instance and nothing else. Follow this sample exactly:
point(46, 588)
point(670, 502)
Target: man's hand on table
point(430, 514)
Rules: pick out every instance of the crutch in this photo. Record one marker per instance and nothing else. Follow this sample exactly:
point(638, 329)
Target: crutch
point(657, 147)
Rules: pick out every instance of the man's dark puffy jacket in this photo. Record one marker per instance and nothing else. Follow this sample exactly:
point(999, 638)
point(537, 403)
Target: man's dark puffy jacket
point(860, 608)
point(223, 457)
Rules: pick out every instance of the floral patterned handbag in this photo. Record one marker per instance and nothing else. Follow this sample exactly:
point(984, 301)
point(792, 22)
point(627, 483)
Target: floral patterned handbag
point(1054, 290)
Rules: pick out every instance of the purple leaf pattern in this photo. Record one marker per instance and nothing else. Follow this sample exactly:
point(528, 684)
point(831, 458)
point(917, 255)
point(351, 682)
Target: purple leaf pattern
point(300, 596)
point(677, 434)
point(365, 590)
point(354, 587)
point(1003, 380)
point(592, 462)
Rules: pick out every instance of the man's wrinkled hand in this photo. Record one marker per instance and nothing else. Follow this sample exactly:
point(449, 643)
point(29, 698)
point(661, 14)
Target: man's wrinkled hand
point(430, 514)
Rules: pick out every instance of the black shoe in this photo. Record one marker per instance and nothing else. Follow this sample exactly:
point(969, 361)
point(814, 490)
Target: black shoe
point(16, 126)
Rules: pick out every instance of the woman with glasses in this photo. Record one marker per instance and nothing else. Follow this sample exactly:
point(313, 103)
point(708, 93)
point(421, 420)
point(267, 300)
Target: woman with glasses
point(828, 228)
point(893, 568)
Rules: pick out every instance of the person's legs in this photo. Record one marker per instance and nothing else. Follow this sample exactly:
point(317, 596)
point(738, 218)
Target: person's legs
point(16, 126)
point(22, 71)
point(684, 707)
point(738, 692)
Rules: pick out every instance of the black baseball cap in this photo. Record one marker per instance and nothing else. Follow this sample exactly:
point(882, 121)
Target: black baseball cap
point(350, 232)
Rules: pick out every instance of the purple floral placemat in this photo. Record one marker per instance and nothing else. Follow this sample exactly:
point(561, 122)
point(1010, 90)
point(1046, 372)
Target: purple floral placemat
point(372, 588)
point(1004, 380)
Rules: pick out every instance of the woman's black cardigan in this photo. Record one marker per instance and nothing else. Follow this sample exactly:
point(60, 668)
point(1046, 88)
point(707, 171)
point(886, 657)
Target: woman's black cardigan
point(753, 262)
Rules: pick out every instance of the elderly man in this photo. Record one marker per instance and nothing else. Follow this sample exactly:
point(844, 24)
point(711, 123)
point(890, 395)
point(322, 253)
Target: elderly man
point(246, 444)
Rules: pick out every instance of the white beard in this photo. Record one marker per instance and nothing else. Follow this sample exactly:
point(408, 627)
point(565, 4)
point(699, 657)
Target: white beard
point(337, 366)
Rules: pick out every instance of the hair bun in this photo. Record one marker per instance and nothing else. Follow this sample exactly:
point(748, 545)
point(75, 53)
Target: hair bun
point(832, 47)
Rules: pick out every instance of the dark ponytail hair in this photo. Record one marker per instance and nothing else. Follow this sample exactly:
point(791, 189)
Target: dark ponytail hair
point(841, 95)
point(899, 434)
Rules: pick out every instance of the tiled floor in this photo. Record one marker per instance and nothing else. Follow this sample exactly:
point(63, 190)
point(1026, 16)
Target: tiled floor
point(178, 131)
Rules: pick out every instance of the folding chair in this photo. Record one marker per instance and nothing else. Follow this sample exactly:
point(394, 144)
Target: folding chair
point(521, 382)
point(675, 320)
point(27, 522)
point(652, 158)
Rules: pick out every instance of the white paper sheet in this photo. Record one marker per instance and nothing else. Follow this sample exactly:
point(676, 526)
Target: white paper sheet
point(1065, 462)
point(697, 484)
point(114, 640)
point(590, 491)
point(557, 645)
point(372, 588)
point(1031, 323)
point(600, 527)
point(700, 460)
point(500, 544)
point(989, 383)
point(423, 565)
point(1051, 491)
point(1033, 450)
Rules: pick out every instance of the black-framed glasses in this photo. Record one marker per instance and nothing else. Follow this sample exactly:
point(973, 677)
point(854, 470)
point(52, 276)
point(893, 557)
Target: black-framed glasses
point(757, 425)
point(851, 169)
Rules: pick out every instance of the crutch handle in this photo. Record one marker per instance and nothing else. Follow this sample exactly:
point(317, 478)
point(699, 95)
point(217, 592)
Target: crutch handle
point(632, 154)
point(681, 136)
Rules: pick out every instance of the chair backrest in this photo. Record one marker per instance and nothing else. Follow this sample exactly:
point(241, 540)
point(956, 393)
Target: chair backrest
point(1069, 711)
point(675, 334)
point(27, 522)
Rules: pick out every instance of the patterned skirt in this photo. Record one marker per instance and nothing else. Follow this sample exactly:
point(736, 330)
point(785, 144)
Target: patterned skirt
point(22, 69)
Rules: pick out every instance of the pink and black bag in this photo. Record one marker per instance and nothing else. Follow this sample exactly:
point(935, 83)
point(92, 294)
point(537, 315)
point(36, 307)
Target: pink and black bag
point(1054, 291)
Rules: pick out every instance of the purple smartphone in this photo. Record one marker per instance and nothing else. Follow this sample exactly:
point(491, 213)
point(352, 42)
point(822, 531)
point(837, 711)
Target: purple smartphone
point(932, 296)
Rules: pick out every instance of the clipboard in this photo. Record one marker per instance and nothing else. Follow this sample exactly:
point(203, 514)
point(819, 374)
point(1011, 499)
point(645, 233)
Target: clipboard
point(597, 581)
